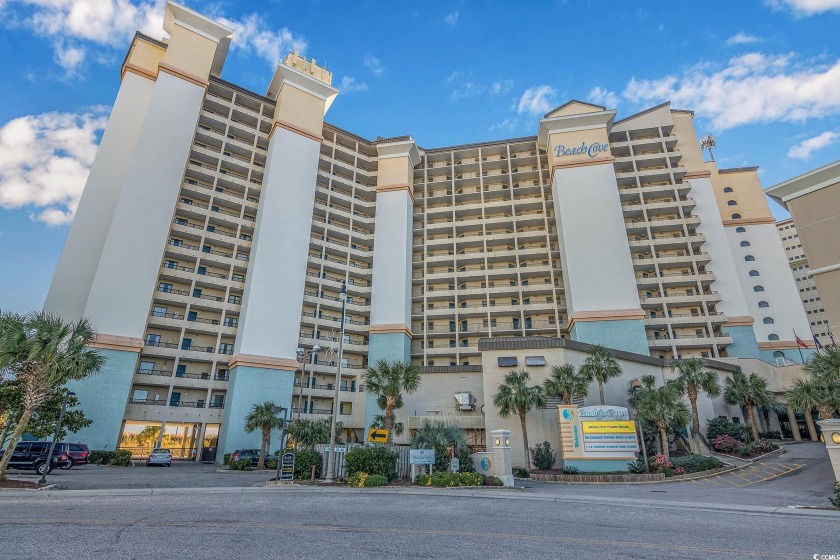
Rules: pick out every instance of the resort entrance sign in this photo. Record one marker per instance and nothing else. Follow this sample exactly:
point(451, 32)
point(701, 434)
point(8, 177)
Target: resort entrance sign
point(590, 150)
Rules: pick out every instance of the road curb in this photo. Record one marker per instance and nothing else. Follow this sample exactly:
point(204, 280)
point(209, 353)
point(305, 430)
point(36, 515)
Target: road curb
point(792, 511)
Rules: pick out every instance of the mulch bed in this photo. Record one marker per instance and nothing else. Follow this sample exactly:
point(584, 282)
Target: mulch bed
point(17, 485)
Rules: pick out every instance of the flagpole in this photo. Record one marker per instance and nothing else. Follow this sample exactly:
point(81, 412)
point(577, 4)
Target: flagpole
point(798, 347)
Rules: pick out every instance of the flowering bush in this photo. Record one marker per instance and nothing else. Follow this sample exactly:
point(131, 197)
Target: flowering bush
point(679, 470)
point(726, 443)
point(661, 462)
point(357, 479)
point(764, 446)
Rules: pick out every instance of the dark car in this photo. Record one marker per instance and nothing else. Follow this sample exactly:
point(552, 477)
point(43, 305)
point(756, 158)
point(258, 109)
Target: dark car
point(78, 453)
point(253, 454)
point(33, 455)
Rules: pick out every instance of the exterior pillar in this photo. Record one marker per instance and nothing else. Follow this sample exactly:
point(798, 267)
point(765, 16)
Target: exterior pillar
point(390, 311)
point(264, 362)
point(831, 435)
point(794, 425)
point(199, 442)
point(812, 430)
point(601, 292)
point(502, 463)
point(160, 435)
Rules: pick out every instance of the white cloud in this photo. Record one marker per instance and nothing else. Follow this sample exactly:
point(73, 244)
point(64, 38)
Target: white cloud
point(804, 149)
point(537, 100)
point(805, 7)
point(742, 39)
point(603, 96)
point(45, 160)
point(253, 34)
point(507, 125)
point(751, 88)
point(451, 19)
point(349, 84)
point(462, 86)
point(89, 25)
point(374, 65)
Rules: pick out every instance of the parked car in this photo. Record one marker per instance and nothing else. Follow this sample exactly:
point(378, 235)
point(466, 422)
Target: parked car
point(159, 456)
point(33, 455)
point(79, 454)
point(253, 454)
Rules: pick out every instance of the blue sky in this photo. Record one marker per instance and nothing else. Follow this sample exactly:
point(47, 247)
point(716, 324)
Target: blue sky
point(762, 76)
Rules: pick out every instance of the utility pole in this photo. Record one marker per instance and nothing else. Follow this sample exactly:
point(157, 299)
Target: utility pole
point(330, 474)
point(58, 422)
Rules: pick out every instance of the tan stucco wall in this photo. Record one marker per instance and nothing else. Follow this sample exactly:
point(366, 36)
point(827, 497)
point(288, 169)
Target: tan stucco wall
point(817, 219)
point(394, 171)
point(574, 139)
point(828, 286)
point(189, 52)
point(692, 157)
point(145, 56)
point(300, 109)
point(746, 191)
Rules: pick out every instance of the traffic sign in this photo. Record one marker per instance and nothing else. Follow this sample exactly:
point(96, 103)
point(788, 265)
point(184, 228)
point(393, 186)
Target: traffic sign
point(376, 435)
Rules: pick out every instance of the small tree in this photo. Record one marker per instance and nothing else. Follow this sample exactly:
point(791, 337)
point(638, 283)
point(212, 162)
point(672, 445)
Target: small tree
point(601, 367)
point(309, 433)
point(692, 378)
point(661, 406)
point(749, 391)
point(566, 383)
point(821, 388)
point(514, 396)
point(263, 418)
point(42, 351)
point(446, 438)
point(388, 381)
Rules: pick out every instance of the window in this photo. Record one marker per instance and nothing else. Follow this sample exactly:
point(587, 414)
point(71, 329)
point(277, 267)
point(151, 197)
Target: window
point(772, 337)
point(754, 273)
point(507, 361)
point(346, 408)
point(164, 287)
point(745, 243)
point(186, 344)
point(763, 304)
point(152, 339)
point(146, 367)
point(727, 189)
point(534, 360)
point(778, 354)
point(159, 311)
point(740, 229)
point(758, 288)
point(749, 258)
point(768, 321)
point(180, 370)
point(731, 203)
point(736, 216)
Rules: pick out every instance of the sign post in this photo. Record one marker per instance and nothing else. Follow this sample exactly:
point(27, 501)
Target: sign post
point(287, 467)
point(420, 457)
point(597, 438)
point(376, 435)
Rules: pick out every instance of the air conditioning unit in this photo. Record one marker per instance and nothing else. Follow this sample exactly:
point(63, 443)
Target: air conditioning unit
point(465, 401)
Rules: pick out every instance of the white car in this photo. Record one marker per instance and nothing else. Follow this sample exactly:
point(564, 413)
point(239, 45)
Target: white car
point(160, 456)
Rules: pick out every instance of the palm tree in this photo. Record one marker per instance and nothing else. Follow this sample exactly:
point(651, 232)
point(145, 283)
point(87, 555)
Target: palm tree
point(309, 433)
point(434, 434)
point(514, 396)
point(43, 351)
point(661, 406)
point(378, 422)
point(823, 370)
point(566, 383)
point(388, 380)
point(600, 366)
point(806, 395)
point(693, 377)
point(750, 392)
point(263, 418)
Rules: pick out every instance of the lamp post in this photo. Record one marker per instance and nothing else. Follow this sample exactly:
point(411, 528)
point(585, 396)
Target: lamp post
point(285, 411)
point(330, 474)
point(304, 357)
point(67, 396)
point(635, 385)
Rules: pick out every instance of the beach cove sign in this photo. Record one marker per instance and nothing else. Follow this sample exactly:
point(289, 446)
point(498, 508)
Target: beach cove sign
point(597, 432)
point(590, 150)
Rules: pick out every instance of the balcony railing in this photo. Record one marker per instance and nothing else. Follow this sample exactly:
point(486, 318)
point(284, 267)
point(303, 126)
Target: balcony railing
point(187, 404)
point(160, 344)
point(150, 402)
point(158, 372)
point(202, 375)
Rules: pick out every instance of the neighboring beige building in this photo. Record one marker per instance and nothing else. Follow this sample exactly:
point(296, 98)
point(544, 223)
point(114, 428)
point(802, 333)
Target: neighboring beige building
point(811, 300)
point(218, 226)
point(813, 200)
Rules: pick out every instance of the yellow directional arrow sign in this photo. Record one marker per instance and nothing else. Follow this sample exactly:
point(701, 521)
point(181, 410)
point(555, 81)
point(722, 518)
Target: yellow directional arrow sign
point(377, 436)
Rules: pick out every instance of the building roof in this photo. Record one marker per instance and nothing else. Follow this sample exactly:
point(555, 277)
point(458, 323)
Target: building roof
point(807, 182)
point(575, 101)
point(640, 113)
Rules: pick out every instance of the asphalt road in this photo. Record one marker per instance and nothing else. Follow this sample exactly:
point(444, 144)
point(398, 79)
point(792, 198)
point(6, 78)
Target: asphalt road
point(362, 525)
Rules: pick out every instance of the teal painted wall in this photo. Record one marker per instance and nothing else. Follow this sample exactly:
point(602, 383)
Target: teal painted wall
point(628, 335)
point(103, 398)
point(385, 346)
point(744, 344)
point(248, 386)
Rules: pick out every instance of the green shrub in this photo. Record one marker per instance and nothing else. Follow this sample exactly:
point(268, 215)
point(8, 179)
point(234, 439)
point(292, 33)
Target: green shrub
point(304, 460)
point(357, 479)
point(445, 479)
point(835, 501)
point(770, 435)
point(465, 457)
point(521, 472)
point(375, 480)
point(271, 464)
point(227, 458)
point(423, 480)
point(493, 481)
point(638, 466)
point(746, 450)
point(470, 479)
point(243, 464)
point(121, 458)
point(569, 469)
point(101, 457)
point(372, 460)
point(717, 427)
point(695, 463)
point(543, 456)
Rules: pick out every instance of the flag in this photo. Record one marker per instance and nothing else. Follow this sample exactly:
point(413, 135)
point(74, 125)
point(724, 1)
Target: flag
point(817, 342)
point(800, 342)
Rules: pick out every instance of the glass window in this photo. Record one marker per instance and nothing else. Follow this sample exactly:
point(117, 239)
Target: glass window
point(754, 273)
point(736, 216)
point(507, 361)
point(772, 337)
point(758, 288)
point(731, 203)
point(534, 360)
point(749, 258)
point(768, 320)
point(763, 304)
point(745, 243)
point(740, 229)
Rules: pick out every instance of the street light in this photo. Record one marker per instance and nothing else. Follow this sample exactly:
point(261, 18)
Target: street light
point(304, 357)
point(285, 411)
point(330, 474)
point(67, 396)
point(635, 385)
